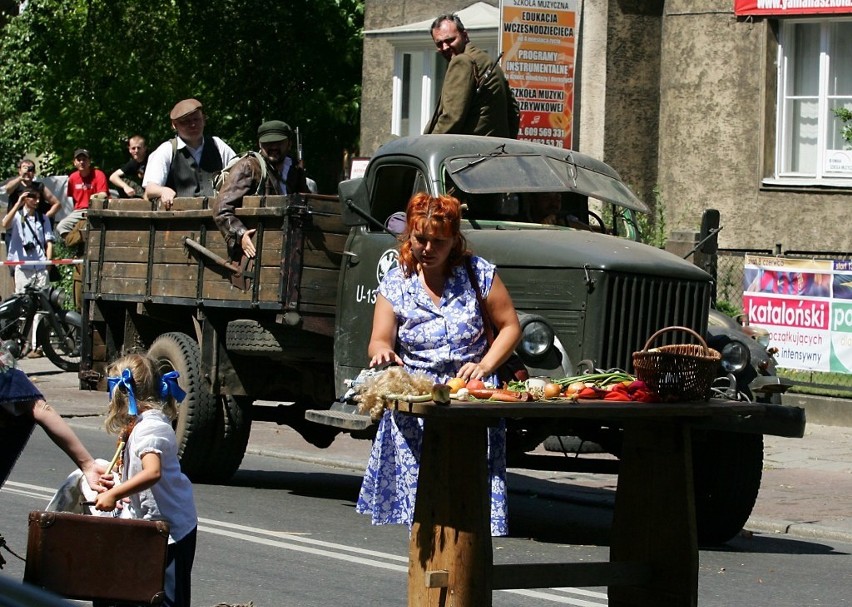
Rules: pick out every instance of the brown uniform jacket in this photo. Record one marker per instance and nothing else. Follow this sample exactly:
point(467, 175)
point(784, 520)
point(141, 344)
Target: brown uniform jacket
point(243, 180)
point(492, 111)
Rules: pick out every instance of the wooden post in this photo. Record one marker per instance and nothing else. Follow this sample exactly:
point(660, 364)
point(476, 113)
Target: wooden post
point(452, 530)
point(654, 520)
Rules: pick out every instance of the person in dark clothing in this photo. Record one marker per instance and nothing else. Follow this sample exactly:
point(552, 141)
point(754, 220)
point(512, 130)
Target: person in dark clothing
point(185, 165)
point(128, 179)
point(282, 175)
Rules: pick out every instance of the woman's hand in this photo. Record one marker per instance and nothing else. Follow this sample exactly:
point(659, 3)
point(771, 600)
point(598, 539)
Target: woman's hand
point(469, 371)
point(385, 356)
point(383, 337)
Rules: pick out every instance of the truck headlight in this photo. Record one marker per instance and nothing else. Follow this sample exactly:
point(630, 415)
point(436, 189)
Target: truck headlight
point(536, 337)
point(735, 356)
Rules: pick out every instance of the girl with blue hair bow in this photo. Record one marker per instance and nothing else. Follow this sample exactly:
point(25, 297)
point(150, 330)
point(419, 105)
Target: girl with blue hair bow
point(141, 409)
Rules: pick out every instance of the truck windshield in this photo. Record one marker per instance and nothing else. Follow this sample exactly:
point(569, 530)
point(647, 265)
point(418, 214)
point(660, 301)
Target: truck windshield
point(508, 173)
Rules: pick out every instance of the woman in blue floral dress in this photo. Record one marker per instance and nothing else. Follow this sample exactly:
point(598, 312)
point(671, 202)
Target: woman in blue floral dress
point(427, 319)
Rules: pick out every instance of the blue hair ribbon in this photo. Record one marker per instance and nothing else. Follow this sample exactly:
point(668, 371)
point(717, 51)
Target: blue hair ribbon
point(170, 387)
point(126, 380)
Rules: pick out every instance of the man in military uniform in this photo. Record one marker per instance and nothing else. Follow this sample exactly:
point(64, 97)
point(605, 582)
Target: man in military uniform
point(282, 175)
point(476, 98)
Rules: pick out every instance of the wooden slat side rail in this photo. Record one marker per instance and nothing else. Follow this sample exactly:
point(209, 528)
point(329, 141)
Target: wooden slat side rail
point(575, 575)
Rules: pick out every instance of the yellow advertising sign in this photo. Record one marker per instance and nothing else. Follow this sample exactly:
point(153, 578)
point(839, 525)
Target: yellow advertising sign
point(538, 41)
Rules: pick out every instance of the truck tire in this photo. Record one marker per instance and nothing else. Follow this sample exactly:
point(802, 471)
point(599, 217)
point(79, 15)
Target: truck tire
point(233, 428)
point(212, 431)
point(196, 422)
point(727, 469)
point(251, 337)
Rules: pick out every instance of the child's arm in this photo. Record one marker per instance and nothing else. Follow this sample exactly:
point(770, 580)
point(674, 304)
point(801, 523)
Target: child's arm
point(148, 477)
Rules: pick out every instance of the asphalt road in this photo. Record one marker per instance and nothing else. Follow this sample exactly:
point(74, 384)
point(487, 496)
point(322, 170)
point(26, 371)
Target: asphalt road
point(284, 531)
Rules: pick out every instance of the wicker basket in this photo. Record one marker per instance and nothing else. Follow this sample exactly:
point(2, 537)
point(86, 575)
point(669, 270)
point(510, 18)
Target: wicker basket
point(683, 372)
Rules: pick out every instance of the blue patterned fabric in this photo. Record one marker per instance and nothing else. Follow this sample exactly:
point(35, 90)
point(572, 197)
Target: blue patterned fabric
point(437, 341)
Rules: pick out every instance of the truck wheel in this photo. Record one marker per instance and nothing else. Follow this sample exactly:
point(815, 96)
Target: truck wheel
point(233, 426)
point(253, 338)
point(727, 468)
point(196, 423)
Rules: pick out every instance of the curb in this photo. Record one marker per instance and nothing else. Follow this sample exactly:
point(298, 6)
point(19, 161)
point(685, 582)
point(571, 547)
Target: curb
point(808, 531)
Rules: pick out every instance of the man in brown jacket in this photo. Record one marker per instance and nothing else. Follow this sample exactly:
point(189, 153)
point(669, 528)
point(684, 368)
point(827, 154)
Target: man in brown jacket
point(476, 98)
point(282, 175)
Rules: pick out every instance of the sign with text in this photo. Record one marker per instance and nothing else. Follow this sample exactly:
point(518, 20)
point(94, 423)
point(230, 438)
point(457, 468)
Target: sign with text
point(806, 305)
point(538, 42)
point(791, 7)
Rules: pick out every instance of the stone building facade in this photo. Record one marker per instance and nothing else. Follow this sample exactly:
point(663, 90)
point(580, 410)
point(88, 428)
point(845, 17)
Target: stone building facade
point(682, 97)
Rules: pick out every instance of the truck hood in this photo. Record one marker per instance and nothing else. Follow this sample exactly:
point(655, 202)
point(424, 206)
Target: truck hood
point(560, 248)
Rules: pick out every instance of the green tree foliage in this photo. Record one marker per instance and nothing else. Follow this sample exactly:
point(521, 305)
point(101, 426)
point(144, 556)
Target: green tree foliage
point(93, 72)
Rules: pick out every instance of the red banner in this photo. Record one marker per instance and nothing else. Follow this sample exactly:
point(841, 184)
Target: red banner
point(792, 7)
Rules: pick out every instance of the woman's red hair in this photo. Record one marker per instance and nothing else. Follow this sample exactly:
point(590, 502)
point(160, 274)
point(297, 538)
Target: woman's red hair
point(433, 216)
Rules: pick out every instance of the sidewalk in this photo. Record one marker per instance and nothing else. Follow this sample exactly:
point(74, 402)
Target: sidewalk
point(804, 493)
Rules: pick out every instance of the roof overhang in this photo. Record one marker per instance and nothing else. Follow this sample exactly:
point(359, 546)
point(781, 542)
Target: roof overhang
point(476, 17)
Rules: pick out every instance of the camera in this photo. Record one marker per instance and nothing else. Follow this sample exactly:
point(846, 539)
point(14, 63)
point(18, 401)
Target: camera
point(29, 247)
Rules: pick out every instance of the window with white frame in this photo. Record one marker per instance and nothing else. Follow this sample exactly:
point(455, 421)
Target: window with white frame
point(814, 79)
point(418, 77)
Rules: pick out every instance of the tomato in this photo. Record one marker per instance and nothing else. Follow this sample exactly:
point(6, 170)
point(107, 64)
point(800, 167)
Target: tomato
point(551, 390)
point(456, 384)
point(475, 384)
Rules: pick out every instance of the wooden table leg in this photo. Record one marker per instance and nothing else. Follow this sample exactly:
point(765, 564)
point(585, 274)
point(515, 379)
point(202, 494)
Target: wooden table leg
point(452, 530)
point(654, 520)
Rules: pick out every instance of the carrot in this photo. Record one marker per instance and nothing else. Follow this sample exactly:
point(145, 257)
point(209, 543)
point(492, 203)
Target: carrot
point(501, 395)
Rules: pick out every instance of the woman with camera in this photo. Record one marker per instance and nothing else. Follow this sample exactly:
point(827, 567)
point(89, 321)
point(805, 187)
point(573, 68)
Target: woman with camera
point(32, 239)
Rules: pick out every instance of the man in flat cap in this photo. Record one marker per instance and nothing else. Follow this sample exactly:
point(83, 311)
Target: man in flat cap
point(83, 183)
point(185, 165)
point(247, 177)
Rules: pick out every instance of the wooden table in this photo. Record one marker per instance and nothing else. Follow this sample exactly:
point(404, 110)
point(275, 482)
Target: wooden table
point(653, 550)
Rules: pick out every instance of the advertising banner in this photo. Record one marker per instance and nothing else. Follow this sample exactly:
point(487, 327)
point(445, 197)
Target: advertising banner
point(791, 7)
point(806, 305)
point(538, 42)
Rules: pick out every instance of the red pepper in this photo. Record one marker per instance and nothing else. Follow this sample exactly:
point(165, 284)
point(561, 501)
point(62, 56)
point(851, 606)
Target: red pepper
point(637, 385)
point(644, 396)
point(590, 393)
point(617, 395)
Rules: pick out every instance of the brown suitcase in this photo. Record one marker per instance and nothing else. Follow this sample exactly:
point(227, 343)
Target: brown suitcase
point(95, 558)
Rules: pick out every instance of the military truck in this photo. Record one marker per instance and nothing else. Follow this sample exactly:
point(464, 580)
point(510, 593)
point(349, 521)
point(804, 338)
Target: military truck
point(276, 337)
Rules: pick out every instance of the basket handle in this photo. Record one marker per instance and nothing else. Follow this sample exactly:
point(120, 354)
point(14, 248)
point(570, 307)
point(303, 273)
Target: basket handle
point(678, 328)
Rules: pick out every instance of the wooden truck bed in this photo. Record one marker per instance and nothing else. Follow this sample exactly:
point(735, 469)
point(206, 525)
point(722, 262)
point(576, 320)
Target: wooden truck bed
point(137, 253)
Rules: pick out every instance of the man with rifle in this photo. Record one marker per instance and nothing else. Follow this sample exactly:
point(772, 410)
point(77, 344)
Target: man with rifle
point(271, 172)
point(476, 98)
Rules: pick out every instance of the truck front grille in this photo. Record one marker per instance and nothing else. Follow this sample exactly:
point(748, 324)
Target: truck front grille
point(638, 306)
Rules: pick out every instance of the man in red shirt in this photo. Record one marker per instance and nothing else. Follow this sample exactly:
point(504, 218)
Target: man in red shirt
point(82, 184)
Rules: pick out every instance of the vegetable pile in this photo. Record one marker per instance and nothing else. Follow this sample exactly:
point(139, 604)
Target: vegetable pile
point(614, 386)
